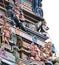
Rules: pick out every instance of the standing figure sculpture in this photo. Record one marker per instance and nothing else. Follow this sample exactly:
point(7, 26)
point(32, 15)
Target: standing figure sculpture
point(6, 33)
point(36, 7)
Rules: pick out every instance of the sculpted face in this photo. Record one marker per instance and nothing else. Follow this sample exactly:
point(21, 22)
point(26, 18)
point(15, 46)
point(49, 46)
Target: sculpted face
point(48, 45)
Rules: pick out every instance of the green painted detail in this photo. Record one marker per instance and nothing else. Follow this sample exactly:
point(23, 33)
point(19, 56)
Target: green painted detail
point(14, 38)
point(16, 54)
point(56, 63)
point(10, 56)
point(27, 2)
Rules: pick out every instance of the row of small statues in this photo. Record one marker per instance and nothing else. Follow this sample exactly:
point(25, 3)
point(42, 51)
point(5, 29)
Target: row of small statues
point(5, 31)
point(39, 27)
point(44, 55)
point(36, 53)
point(16, 14)
point(36, 6)
point(40, 55)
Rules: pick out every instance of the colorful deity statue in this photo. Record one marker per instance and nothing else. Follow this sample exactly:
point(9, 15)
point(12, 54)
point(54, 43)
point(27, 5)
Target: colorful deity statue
point(6, 33)
point(37, 56)
point(47, 51)
point(35, 52)
point(18, 11)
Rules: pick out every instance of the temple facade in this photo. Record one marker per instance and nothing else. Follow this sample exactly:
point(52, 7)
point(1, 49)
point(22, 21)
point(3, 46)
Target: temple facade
point(23, 32)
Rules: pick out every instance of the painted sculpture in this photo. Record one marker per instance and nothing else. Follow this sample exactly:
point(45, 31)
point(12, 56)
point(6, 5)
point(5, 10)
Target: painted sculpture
point(6, 33)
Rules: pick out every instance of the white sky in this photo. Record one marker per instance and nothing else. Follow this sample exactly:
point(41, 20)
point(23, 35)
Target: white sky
point(51, 15)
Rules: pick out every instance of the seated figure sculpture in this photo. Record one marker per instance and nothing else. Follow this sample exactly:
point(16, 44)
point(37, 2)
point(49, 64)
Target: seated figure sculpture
point(42, 27)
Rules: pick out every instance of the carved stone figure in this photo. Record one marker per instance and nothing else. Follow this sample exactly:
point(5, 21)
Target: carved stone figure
point(35, 52)
point(6, 33)
point(41, 26)
point(36, 7)
point(48, 51)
